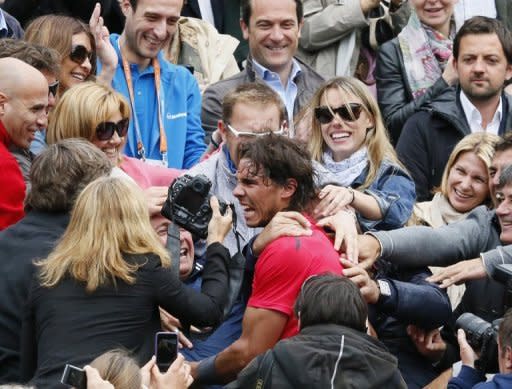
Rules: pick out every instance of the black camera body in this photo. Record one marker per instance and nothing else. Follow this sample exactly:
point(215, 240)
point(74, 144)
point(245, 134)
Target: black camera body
point(188, 204)
point(481, 335)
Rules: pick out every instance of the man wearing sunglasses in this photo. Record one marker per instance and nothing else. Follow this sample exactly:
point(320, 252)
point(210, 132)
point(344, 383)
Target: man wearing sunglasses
point(166, 127)
point(23, 112)
point(249, 112)
point(272, 29)
point(47, 61)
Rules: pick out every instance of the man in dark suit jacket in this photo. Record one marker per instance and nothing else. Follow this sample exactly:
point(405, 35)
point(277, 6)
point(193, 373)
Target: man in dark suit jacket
point(191, 8)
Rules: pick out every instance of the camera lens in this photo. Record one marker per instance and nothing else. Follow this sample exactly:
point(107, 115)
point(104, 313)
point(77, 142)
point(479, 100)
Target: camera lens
point(474, 327)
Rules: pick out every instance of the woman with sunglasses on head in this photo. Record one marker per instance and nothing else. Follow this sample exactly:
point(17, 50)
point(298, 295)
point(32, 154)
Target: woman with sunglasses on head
point(356, 164)
point(101, 115)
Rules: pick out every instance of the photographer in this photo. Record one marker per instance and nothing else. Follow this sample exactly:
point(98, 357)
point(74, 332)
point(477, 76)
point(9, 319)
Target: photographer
point(469, 377)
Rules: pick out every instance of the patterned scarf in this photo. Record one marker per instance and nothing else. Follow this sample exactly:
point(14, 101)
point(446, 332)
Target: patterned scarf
point(425, 52)
point(349, 169)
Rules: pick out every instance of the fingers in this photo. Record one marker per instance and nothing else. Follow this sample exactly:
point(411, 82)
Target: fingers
point(149, 364)
point(177, 364)
point(94, 380)
point(95, 15)
point(293, 218)
point(214, 203)
point(185, 342)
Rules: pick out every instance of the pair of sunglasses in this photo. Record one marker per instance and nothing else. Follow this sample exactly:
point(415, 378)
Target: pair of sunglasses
point(106, 130)
point(79, 54)
point(250, 134)
point(348, 112)
point(53, 88)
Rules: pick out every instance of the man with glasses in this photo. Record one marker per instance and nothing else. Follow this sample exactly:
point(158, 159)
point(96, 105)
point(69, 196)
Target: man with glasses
point(23, 112)
point(249, 111)
point(47, 61)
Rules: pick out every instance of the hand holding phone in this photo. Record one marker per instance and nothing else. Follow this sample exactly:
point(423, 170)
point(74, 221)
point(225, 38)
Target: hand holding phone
point(74, 376)
point(166, 349)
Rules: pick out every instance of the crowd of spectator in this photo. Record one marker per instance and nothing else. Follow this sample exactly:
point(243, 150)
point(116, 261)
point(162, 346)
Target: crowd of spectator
point(357, 156)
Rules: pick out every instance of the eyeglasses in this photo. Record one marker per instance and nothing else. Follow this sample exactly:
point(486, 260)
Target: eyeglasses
point(52, 88)
point(348, 112)
point(79, 54)
point(249, 134)
point(106, 130)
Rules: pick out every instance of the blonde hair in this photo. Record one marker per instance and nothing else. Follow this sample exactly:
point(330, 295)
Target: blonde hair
point(82, 108)
point(481, 144)
point(110, 219)
point(118, 368)
point(376, 140)
point(56, 32)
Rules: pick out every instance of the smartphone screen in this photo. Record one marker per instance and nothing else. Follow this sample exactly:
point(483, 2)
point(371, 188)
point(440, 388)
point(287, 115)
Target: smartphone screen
point(74, 376)
point(166, 349)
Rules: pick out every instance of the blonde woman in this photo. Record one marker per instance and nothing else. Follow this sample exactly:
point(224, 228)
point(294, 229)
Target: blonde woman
point(465, 182)
point(354, 156)
point(101, 115)
point(464, 186)
point(101, 286)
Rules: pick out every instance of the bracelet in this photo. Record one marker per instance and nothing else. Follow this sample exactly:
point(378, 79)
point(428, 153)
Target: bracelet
point(214, 144)
point(353, 195)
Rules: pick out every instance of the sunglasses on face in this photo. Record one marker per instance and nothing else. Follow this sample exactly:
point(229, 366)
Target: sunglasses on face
point(348, 112)
point(52, 88)
point(79, 54)
point(106, 130)
point(249, 134)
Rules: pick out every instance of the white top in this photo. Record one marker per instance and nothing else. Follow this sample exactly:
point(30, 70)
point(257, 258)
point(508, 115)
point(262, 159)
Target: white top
point(466, 9)
point(474, 117)
point(205, 6)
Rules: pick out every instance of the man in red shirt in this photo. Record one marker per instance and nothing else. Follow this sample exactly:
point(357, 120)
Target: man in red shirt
point(274, 174)
point(23, 111)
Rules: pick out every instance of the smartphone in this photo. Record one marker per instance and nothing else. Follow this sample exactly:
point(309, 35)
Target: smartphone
point(74, 376)
point(166, 349)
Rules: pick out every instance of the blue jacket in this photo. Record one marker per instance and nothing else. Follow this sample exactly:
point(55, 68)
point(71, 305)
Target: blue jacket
point(181, 115)
point(470, 378)
point(412, 300)
point(393, 189)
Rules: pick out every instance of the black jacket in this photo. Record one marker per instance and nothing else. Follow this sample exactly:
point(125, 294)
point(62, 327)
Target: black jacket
point(430, 135)
point(394, 92)
point(311, 359)
point(65, 324)
point(191, 8)
point(32, 237)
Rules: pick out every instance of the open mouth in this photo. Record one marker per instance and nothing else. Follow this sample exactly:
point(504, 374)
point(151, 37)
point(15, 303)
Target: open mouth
point(339, 135)
point(183, 252)
point(79, 76)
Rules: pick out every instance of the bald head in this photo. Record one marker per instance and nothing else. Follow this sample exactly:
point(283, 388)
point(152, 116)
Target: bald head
point(16, 75)
point(23, 100)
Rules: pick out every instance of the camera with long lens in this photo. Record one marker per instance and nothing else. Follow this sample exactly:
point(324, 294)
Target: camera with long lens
point(481, 335)
point(188, 204)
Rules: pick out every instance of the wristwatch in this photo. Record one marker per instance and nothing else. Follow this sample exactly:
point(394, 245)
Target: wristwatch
point(384, 288)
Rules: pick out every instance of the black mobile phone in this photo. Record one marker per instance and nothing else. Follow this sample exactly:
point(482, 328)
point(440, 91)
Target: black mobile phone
point(74, 376)
point(166, 349)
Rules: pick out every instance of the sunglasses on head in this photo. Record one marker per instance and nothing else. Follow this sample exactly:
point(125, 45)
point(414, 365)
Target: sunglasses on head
point(106, 130)
point(52, 88)
point(348, 112)
point(79, 54)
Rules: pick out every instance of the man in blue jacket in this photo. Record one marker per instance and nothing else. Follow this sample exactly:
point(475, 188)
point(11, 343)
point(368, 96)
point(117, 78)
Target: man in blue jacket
point(166, 127)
